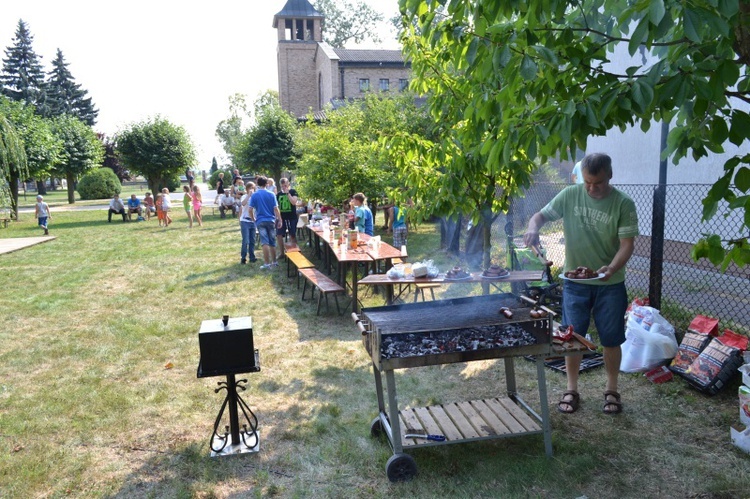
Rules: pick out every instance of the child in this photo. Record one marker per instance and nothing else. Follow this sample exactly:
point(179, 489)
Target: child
point(148, 202)
point(41, 212)
point(197, 203)
point(159, 211)
point(187, 199)
point(166, 205)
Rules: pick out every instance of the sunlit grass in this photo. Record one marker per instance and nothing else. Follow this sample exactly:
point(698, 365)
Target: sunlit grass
point(89, 407)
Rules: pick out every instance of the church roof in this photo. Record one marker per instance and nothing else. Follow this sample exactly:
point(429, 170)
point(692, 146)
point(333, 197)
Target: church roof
point(297, 9)
point(369, 56)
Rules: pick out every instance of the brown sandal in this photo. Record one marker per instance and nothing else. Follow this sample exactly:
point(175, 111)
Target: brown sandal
point(612, 406)
point(569, 406)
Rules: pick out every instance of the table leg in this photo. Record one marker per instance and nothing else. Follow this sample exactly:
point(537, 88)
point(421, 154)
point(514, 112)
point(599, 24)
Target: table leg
point(355, 302)
point(510, 375)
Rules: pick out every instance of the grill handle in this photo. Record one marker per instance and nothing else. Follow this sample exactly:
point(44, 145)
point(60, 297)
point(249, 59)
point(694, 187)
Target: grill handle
point(359, 324)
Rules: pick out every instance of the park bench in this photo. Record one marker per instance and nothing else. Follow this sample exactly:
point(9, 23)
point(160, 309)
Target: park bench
point(324, 284)
point(299, 261)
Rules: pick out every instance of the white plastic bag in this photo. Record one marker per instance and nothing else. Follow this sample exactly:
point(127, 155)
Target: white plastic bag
point(649, 341)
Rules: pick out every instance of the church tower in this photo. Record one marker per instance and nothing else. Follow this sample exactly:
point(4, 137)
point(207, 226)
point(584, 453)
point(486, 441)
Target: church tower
point(299, 27)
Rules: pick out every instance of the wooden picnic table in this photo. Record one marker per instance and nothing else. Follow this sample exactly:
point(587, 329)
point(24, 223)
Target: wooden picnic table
point(348, 259)
point(474, 277)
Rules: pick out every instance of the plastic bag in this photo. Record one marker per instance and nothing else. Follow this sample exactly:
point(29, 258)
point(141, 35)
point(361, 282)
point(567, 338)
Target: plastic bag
point(649, 341)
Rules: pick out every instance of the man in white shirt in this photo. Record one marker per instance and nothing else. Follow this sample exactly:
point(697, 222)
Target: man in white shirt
point(116, 206)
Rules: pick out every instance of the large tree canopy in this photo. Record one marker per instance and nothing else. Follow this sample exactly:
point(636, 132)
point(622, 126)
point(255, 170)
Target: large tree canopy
point(156, 149)
point(82, 150)
point(42, 147)
point(341, 156)
point(268, 146)
point(514, 83)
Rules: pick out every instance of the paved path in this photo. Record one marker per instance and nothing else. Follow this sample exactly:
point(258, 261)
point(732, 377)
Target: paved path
point(208, 199)
point(9, 244)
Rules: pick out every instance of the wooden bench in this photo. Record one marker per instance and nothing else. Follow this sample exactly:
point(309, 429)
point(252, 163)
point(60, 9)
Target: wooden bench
point(421, 286)
point(324, 284)
point(5, 222)
point(299, 261)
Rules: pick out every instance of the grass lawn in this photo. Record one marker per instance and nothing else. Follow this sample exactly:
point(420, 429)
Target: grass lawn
point(99, 395)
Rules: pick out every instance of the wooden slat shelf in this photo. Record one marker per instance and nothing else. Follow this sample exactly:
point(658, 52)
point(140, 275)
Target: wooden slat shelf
point(465, 421)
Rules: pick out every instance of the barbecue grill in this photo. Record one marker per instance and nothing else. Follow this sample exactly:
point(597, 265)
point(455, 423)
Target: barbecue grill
point(449, 331)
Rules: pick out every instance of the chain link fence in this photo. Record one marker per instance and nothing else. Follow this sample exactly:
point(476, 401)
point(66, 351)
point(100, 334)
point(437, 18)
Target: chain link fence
point(682, 287)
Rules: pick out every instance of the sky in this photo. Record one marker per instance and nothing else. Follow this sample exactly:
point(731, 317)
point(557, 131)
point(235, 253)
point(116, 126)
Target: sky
point(179, 60)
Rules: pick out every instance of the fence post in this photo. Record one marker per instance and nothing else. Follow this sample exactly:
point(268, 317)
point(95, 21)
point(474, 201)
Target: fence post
point(655, 277)
point(657, 247)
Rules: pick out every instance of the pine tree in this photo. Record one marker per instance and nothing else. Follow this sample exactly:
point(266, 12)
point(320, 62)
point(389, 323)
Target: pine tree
point(65, 96)
point(23, 77)
point(214, 165)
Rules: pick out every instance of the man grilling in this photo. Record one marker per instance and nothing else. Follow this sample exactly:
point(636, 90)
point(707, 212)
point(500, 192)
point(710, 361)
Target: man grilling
point(600, 224)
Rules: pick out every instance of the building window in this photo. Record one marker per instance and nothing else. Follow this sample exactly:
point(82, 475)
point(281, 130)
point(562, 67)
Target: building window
point(403, 84)
point(385, 84)
point(364, 85)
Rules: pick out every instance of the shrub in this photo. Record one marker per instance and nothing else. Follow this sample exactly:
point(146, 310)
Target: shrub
point(100, 183)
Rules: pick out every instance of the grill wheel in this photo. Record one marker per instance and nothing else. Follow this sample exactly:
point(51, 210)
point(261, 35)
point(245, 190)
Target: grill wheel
point(401, 468)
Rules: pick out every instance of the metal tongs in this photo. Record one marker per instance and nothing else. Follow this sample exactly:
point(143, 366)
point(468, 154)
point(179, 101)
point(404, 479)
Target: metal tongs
point(434, 438)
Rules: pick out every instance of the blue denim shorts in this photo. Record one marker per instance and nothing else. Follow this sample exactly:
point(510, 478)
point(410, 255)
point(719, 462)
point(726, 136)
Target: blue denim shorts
point(267, 231)
point(606, 303)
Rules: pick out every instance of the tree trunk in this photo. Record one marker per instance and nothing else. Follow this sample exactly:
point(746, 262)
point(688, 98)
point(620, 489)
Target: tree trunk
point(71, 189)
point(41, 187)
point(14, 177)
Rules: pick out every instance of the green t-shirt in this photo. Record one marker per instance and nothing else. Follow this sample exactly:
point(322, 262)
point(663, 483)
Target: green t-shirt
point(593, 227)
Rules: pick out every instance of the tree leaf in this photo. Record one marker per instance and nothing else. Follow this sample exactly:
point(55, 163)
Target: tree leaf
point(691, 25)
point(656, 11)
point(742, 179)
point(528, 68)
point(638, 36)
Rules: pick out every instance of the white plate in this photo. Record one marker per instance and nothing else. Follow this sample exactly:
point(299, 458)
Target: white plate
point(562, 276)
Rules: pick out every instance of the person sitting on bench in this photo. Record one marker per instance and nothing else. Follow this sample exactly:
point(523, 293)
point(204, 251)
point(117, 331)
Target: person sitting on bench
point(226, 203)
point(134, 206)
point(116, 206)
point(149, 205)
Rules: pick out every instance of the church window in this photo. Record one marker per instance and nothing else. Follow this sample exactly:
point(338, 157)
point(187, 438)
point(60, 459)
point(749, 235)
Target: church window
point(385, 84)
point(364, 85)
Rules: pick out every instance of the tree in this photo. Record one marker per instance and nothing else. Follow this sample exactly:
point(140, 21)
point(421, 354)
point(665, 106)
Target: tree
point(42, 147)
point(65, 96)
point(82, 150)
point(111, 160)
point(341, 156)
point(269, 144)
point(347, 22)
point(22, 77)
point(230, 130)
point(515, 83)
point(214, 165)
point(12, 165)
point(156, 149)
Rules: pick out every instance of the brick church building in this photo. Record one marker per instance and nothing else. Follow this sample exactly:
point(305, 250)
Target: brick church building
point(313, 75)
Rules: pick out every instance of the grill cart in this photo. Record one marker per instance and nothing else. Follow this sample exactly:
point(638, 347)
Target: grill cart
point(449, 331)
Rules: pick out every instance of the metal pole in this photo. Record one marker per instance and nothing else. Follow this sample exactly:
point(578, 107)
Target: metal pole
point(657, 225)
point(234, 421)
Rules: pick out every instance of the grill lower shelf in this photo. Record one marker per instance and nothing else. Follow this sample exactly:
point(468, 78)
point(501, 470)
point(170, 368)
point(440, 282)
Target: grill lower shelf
point(470, 420)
